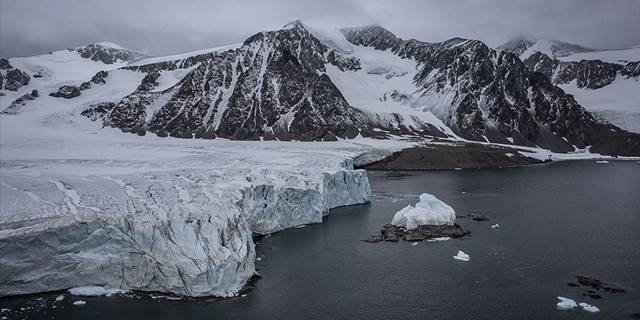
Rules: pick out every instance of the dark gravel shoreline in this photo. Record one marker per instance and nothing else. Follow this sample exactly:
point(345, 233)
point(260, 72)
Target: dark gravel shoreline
point(452, 156)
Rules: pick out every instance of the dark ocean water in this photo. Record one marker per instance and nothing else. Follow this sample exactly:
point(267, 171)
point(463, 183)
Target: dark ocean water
point(557, 221)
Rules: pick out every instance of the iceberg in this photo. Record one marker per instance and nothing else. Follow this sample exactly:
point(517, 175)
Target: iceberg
point(587, 307)
point(566, 303)
point(428, 211)
point(79, 303)
point(462, 256)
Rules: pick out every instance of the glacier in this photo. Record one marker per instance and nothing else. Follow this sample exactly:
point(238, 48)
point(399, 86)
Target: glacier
point(156, 214)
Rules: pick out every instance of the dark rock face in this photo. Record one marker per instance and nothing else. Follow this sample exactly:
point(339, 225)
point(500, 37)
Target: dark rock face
point(12, 78)
point(107, 54)
point(97, 111)
point(66, 92)
point(393, 233)
point(98, 78)
point(591, 74)
point(495, 95)
point(16, 105)
point(273, 87)
point(631, 70)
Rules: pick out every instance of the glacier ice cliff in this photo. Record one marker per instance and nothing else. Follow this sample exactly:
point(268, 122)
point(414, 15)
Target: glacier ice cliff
point(184, 231)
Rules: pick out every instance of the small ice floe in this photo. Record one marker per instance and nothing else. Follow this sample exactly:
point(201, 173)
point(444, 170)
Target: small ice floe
point(414, 244)
point(566, 303)
point(79, 303)
point(96, 291)
point(438, 239)
point(602, 161)
point(244, 295)
point(153, 296)
point(457, 169)
point(509, 155)
point(59, 298)
point(3, 310)
point(258, 259)
point(495, 226)
point(587, 307)
point(428, 211)
point(462, 256)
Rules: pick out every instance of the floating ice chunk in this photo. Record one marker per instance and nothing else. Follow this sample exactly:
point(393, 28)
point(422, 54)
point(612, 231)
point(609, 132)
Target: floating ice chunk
point(438, 239)
point(566, 303)
point(509, 154)
point(79, 303)
point(462, 256)
point(602, 161)
point(59, 298)
point(428, 211)
point(95, 291)
point(495, 226)
point(414, 244)
point(587, 307)
point(164, 297)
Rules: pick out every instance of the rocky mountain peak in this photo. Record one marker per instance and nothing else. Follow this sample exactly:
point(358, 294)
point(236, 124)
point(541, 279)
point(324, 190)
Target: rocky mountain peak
point(108, 53)
point(525, 47)
point(371, 36)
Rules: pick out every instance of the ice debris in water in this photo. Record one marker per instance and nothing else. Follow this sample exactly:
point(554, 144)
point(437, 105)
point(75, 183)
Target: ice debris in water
point(414, 244)
point(60, 298)
point(587, 307)
point(438, 239)
point(566, 303)
point(95, 291)
point(495, 226)
point(462, 256)
point(428, 211)
point(602, 161)
point(79, 303)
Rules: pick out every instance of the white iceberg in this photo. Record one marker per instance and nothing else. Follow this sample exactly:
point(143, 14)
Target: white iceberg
point(95, 291)
point(59, 298)
point(495, 226)
point(587, 307)
point(566, 303)
point(428, 211)
point(462, 256)
point(602, 161)
point(79, 303)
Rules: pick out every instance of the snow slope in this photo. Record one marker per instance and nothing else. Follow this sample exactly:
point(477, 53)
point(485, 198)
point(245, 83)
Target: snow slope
point(63, 67)
point(618, 103)
point(620, 56)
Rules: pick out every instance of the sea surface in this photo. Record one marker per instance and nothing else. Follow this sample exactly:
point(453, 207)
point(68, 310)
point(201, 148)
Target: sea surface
point(556, 221)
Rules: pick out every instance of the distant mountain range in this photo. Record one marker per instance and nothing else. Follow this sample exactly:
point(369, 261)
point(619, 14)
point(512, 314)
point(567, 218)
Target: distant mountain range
point(310, 84)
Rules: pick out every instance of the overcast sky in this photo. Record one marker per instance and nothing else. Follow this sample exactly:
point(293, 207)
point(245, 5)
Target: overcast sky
point(29, 27)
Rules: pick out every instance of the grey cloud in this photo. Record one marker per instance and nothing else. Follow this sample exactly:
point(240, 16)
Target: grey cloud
point(29, 27)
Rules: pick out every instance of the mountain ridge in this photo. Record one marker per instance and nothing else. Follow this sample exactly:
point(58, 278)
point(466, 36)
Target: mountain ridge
point(287, 84)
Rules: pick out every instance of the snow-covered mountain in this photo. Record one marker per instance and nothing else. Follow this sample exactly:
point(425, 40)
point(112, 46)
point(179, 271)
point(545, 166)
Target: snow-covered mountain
point(89, 205)
point(606, 82)
point(304, 83)
point(525, 47)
